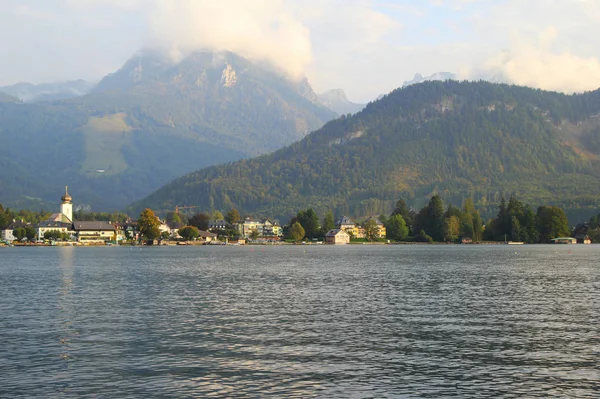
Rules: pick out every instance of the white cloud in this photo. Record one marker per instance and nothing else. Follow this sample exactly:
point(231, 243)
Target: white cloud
point(367, 47)
point(260, 29)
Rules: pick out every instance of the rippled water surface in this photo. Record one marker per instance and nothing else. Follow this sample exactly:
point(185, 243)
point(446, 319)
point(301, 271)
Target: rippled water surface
point(300, 321)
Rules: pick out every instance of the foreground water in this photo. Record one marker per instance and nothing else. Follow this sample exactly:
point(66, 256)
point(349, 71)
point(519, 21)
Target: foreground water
point(300, 321)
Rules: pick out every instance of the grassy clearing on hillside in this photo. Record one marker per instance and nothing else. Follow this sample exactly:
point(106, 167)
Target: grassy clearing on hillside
point(104, 139)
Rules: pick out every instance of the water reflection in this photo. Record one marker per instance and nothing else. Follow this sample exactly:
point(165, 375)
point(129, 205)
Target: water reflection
point(66, 314)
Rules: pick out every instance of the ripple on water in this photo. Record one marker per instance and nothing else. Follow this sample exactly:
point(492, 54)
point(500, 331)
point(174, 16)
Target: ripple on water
point(300, 322)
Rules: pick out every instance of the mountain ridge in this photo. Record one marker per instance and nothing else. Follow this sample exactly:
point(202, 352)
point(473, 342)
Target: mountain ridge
point(133, 133)
point(458, 139)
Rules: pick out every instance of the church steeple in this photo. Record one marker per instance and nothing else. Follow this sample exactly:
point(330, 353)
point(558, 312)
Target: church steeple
point(66, 199)
point(66, 208)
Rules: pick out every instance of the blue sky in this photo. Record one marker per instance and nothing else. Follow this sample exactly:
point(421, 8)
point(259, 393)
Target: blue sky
point(366, 47)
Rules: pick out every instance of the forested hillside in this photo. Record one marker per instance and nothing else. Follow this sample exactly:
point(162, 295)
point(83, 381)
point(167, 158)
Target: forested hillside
point(456, 139)
point(146, 124)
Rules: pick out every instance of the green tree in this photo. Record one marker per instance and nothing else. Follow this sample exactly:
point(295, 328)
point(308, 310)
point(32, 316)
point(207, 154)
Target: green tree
point(396, 228)
point(452, 228)
point(403, 210)
point(552, 223)
point(30, 233)
point(297, 232)
point(200, 221)
point(310, 222)
point(371, 229)
point(149, 224)
point(328, 223)
point(233, 216)
point(52, 235)
point(173, 218)
point(423, 237)
point(434, 222)
point(4, 220)
point(20, 233)
point(217, 215)
point(189, 232)
point(254, 234)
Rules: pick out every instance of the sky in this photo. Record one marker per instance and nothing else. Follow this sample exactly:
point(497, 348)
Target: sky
point(366, 47)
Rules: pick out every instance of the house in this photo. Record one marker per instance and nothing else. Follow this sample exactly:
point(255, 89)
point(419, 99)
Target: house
point(248, 225)
point(7, 233)
point(50, 226)
point(580, 232)
point(129, 230)
point(95, 232)
point(206, 236)
point(164, 228)
point(337, 236)
point(349, 226)
point(271, 228)
point(217, 225)
point(564, 240)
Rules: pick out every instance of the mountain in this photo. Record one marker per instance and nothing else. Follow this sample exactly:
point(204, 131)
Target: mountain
point(30, 93)
point(436, 76)
point(7, 98)
point(337, 101)
point(456, 139)
point(149, 122)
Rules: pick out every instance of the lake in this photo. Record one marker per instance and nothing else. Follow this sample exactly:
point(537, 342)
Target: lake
point(355, 321)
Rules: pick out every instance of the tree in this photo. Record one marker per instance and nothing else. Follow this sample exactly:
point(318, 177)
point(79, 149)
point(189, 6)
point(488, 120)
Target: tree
point(434, 222)
point(52, 235)
point(451, 228)
point(403, 210)
point(310, 222)
point(19, 233)
point(552, 223)
point(173, 218)
point(4, 220)
point(200, 221)
point(423, 237)
point(328, 223)
point(217, 215)
point(189, 232)
point(149, 224)
point(30, 233)
point(371, 229)
point(233, 216)
point(396, 228)
point(254, 234)
point(297, 232)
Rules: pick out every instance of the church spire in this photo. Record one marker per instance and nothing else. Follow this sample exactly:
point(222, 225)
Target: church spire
point(66, 198)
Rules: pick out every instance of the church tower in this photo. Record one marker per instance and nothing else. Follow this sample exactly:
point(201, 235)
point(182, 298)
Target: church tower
point(66, 208)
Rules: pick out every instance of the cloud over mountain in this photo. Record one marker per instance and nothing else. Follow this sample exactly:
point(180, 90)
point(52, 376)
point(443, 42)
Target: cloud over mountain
point(367, 47)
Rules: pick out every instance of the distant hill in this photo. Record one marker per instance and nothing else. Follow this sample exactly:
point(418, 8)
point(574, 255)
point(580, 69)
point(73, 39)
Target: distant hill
point(459, 140)
point(7, 98)
point(30, 93)
point(337, 101)
point(149, 122)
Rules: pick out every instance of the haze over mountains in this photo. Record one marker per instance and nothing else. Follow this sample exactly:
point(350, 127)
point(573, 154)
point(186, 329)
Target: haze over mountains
point(147, 123)
point(30, 93)
point(459, 140)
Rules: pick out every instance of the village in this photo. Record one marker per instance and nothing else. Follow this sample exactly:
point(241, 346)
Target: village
point(61, 229)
